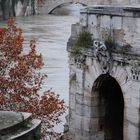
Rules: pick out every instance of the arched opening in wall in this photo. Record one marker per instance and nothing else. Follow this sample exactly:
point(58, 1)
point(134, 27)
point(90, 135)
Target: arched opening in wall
point(110, 107)
point(71, 8)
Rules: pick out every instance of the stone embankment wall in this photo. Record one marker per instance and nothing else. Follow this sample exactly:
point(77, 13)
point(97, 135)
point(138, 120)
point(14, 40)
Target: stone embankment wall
point(105, 78)
point(17, 8)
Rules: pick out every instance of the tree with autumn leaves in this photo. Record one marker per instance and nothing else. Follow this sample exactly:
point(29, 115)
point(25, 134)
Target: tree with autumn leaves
point(20, 81)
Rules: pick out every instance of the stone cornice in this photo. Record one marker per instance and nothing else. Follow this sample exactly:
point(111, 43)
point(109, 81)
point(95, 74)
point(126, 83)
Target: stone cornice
point(126, 11)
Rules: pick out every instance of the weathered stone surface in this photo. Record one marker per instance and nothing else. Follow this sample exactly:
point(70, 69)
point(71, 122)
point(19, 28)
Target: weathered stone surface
point(133, 132)
point(133, 115)
point(119, 26)
point(72, 101)
point(87, 136)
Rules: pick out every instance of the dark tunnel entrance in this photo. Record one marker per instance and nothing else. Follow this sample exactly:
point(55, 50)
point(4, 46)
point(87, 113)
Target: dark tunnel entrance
point(111, 96)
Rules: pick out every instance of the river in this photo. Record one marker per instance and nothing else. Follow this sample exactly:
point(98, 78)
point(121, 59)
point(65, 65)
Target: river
point(51, 33)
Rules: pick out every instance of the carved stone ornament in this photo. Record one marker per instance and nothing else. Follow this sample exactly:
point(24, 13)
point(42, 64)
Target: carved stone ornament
point(135, 73)
point(102, 55)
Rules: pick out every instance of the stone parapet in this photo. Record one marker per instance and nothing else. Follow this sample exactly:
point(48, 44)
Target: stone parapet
point(18, 126)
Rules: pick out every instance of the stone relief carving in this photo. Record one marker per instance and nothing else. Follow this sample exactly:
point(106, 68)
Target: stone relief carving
point(103, 55)
point(135, 73)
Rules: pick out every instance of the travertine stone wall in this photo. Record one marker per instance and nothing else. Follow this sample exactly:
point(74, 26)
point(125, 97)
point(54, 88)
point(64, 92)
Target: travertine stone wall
point(122, 62)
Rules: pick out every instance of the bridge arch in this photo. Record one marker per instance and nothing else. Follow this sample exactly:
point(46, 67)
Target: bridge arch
point(110, 107)
point(50, 5)
point(63, 4)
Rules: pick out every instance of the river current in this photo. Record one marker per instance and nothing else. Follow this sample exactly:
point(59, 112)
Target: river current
point(51, 34)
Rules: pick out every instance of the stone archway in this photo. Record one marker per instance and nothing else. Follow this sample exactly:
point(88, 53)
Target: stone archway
point(110, 107)
point(64, 4)
point(50, 5)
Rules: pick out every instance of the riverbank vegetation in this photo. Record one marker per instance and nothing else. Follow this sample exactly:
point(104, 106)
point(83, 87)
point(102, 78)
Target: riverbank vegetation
point(21, 81)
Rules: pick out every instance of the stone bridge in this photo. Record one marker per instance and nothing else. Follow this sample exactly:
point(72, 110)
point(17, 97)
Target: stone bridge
point(104, 93)
point(49, 5)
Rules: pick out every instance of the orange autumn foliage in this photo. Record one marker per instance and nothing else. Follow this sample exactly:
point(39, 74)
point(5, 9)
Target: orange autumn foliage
point(20, 81)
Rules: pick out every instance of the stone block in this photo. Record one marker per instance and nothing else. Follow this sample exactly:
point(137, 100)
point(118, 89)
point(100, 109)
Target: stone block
point(83, 19)
point(79, 98)
point(129, 24)
point(72, 101)
point(137, 25)
point(133, 132)
point(86, 124)
point(135, 91)
point(72, 131)
point(94, 31)
point(97, 136)
point(78, 122)
point(92, 20)
point(118, 35)
point(97, 111)
point(79, 88)
point(73, 88)
point(95, 124)
point(105, 22)
point(79, 76)
point(127, 102)
point(75, 30)
point(72, 119)
point(89, 111)
point(116, 22)
point(135, 101)
point(86, 135)
point(89, 79)
point(93, 101)
point(91, 125)
point(120, 75)
point(133, 115)
point(82, 110)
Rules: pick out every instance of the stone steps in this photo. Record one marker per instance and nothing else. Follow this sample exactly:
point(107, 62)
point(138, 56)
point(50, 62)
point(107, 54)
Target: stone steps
point(18, 126)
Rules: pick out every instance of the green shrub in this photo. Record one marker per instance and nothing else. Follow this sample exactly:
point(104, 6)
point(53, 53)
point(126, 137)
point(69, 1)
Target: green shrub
point(83, 40)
